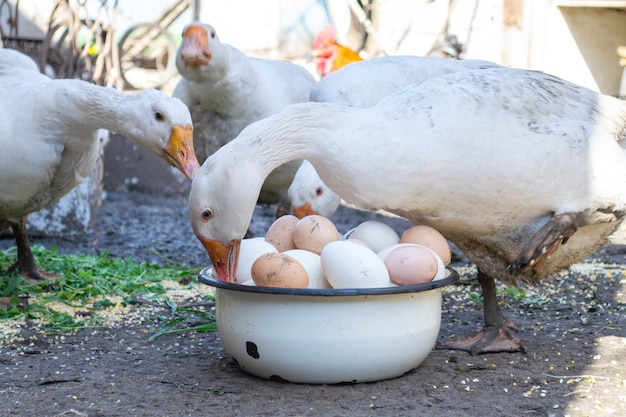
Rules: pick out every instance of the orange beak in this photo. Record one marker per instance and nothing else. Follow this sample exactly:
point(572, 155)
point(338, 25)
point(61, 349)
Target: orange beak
point(195, 51)
point(179, 151)
point(303, 211)
point(224, 256)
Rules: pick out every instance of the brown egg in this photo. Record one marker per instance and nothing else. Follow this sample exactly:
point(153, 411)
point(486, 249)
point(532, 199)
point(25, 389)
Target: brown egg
point(313, 232)
point(280, 233)
point(279, 271)
point(429, 237)
point(411, 264)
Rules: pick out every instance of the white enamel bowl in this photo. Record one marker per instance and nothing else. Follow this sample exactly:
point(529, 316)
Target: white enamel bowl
point(328, 336)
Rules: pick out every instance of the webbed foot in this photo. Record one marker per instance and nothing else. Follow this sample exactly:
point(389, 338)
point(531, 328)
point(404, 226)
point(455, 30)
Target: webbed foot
point(491, 339)
point(25, 264)
point(495, 335)
point(10, 302)
point(30, 271)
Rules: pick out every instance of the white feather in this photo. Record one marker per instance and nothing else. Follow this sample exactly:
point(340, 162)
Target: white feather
point(231, 91)
point(48, 132)
point(363, 84)
point(486, 157)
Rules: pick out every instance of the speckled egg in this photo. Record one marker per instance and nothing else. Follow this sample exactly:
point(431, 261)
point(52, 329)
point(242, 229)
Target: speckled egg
point(313, 232)
point(249, 251)
point(279, 271)
point(280, 233)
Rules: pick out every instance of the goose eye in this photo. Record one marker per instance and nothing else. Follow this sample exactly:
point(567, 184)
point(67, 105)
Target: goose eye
point(159, 116)
point(206, 215)
point(212, 34)
point(319, 191)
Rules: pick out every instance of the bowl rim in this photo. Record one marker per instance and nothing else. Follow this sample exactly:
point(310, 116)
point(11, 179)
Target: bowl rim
point(451, 277)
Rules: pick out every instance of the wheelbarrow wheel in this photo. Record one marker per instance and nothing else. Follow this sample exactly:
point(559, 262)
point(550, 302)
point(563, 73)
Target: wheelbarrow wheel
point(147, 54)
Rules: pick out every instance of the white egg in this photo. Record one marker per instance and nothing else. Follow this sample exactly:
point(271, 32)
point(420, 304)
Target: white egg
point(312, 264)
point(351, 265)
point(359, 241)
point(441, 268)
point(377, 235)
point(249, 251)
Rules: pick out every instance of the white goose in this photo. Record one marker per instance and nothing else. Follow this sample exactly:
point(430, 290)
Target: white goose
point(226, 90)
point(523, 171)
point(49, 143)
point(309, 195)
point(363, 84)
point(17, 59)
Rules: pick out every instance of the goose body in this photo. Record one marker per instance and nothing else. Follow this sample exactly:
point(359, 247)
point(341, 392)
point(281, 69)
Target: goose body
point(48, 136)
point(16, 59)
point(226, 90)
point(363, 84)
point(523, 171)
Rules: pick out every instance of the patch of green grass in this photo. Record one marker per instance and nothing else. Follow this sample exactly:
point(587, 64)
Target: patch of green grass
point(521, 295)
point(509, 292)
point(183, 319)
point(86, 282)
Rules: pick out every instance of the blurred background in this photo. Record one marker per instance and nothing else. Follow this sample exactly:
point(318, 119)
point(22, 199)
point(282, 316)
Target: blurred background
point(131, 44)
point(573, 39)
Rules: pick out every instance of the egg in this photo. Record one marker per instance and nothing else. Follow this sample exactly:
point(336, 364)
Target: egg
point(313, 232)
point(359, 241)
point(312, 263)
point(429, 237)
point(280, 233)
point(440, 268)
point(411, 264)
point(279, 271)
point(377, 235)
point(249, 251)
point(351, 265)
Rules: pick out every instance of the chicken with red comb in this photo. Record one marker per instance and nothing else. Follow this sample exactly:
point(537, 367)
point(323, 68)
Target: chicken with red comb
point(329, 55)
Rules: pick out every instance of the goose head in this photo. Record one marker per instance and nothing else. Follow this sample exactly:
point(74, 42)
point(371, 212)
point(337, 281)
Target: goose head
point(215, 190)
point(163, 125)
point(309, 195)
point(225, 191)
point(200, 53)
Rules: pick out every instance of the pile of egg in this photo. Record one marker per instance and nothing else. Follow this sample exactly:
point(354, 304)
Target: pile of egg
point(311, 253)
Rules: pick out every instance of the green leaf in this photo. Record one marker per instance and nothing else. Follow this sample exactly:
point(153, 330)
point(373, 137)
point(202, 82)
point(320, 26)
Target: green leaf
point(86, 281)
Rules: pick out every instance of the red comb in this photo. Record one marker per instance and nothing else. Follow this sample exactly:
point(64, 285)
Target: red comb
point(328, 33)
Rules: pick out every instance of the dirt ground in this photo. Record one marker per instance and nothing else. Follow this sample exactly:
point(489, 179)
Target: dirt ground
point(573, 328)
